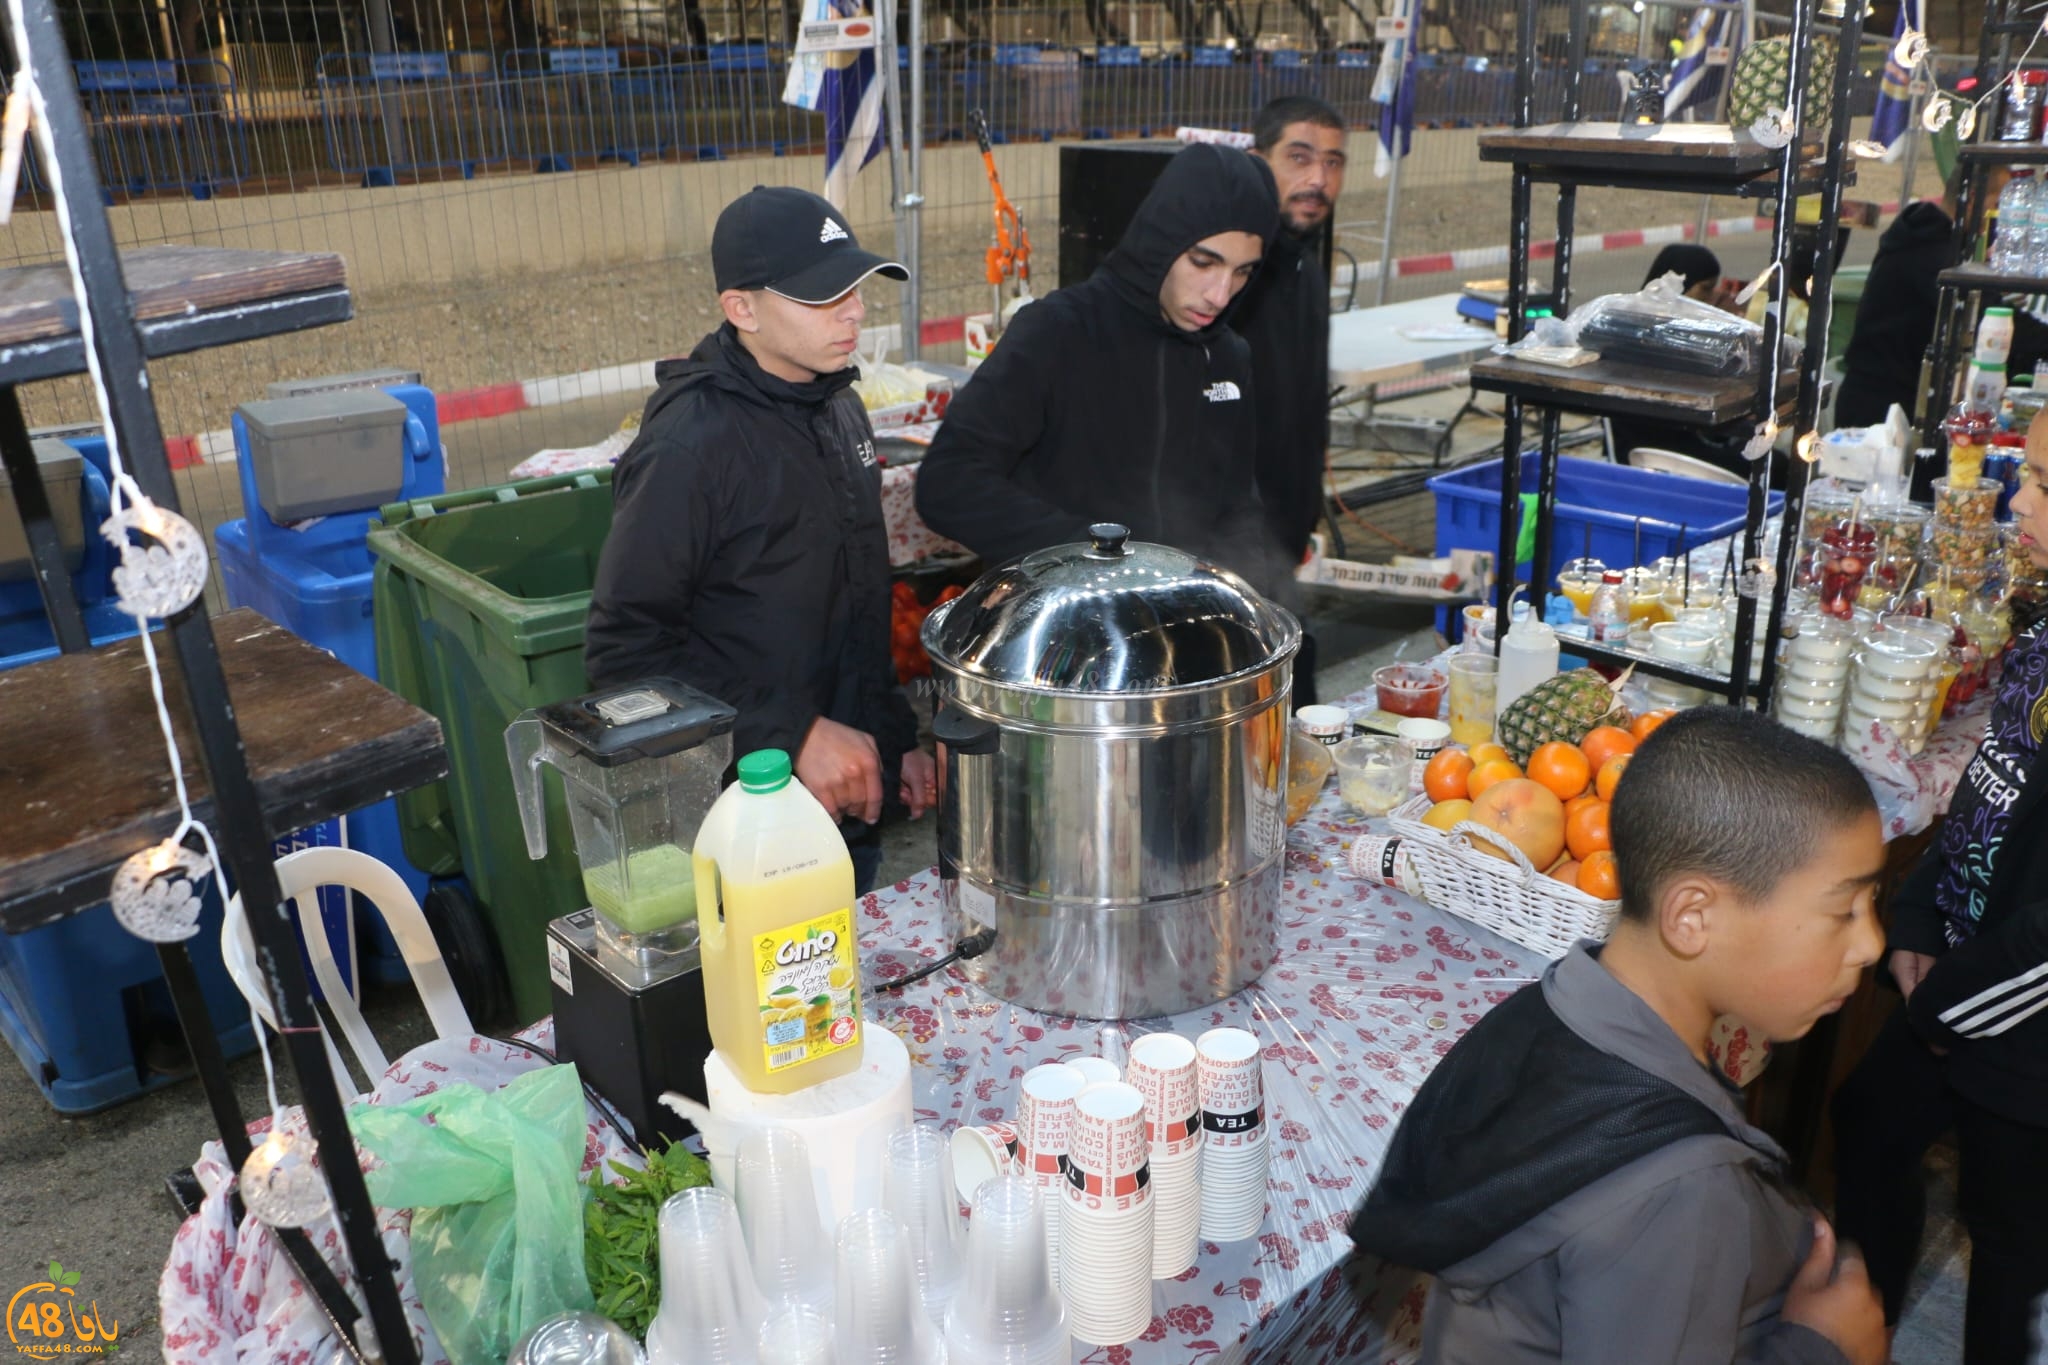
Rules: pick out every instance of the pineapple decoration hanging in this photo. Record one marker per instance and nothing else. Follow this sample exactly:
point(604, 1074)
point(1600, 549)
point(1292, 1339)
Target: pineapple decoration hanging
point(1761, 85)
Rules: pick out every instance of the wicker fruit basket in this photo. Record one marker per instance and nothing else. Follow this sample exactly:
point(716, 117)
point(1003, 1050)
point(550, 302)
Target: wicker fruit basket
point(1514, 900)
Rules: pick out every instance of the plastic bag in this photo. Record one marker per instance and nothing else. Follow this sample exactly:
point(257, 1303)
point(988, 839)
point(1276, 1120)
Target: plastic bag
point(497, 1232)
point(1657, 326)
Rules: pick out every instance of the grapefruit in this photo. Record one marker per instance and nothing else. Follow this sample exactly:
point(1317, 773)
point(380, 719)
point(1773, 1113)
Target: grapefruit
point(1445, 815)
point(1523, 813)
point(1566, 872)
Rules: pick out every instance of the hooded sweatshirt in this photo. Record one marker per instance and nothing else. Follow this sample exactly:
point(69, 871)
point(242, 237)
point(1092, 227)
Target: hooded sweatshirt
point(1284, 316)
point(748, 557)
point(1895, 320)
point(1586, 1192)
point(1094, 407)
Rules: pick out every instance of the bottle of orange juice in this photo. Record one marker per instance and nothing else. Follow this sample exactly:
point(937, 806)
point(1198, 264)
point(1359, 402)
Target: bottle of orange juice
point(775, 915)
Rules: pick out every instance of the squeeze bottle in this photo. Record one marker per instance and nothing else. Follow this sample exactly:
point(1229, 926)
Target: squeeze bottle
point(1528, 656)
point(775, 914)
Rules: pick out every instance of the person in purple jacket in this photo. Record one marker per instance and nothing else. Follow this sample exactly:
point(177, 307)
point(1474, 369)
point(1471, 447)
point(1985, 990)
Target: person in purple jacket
point(1967, 1050)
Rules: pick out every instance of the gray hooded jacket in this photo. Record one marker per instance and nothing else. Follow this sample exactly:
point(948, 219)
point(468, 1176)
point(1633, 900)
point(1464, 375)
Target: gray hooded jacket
point(1677, 1251)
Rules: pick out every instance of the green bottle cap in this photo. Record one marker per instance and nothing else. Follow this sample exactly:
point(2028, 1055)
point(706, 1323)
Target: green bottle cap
point(764, 771)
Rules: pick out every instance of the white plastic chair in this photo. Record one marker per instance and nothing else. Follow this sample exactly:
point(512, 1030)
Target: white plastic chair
point(1687, 466)
point(375, 883)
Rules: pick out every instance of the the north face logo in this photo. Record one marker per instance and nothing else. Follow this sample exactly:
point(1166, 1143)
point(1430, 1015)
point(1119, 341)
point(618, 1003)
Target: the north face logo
point(831, 232)
point(1222, 391)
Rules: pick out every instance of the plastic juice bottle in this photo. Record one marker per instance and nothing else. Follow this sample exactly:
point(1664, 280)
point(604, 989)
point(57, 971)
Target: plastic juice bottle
point(1607, 616)
point(775, 915)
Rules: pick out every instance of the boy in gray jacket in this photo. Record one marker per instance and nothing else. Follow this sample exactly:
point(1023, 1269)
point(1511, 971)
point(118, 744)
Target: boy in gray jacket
point(1578, 1177)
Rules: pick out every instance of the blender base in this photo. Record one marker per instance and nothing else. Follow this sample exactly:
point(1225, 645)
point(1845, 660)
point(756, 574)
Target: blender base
point(632, 1033)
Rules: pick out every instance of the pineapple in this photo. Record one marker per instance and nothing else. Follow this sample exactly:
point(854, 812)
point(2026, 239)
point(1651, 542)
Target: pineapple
point(1564, 708)
point(1762, 74)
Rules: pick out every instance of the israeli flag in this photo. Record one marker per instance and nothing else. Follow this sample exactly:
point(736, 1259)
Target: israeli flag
point(843, 86)
point(1894, 112)
point(1694, 80)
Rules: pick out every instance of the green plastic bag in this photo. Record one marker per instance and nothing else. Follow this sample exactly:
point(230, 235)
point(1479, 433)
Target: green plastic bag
point(497, 1232)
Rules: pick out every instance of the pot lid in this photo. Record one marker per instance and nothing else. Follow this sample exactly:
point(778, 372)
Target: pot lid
point(1113, 615)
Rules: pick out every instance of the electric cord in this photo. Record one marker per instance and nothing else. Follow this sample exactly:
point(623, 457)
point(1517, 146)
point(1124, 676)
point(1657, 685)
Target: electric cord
point(974, 945)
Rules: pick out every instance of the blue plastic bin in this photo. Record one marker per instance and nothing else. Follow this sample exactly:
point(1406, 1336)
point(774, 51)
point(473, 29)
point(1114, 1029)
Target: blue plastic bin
point(1675, 513)
point(316, 583)
point(25, 634)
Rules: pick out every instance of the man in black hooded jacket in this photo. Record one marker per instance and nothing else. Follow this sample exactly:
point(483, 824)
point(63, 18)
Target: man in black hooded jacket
point(1895, 320)
point(1124, 398)
point(747, 555)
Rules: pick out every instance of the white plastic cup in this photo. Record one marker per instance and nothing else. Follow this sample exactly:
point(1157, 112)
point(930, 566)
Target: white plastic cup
point(778, 1202)
point(1007, 1311)
point(917, 1186)
point(877, 1318)
point(796, 1335)
point(711, 1313)
point(982, 1153)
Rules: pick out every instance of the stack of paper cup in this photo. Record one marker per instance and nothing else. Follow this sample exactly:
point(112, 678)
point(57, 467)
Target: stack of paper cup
point(1106, 1222)
point(1163, 1071)
point(1234, 1134)
point(1045, 1114)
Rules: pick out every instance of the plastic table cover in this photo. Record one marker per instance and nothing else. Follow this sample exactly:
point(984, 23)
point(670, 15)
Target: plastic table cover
point(1368, 988)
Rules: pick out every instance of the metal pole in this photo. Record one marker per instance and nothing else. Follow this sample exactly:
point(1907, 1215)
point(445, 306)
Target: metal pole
point(913, 199)
point(1915, 106)
point(1392, 220)
point(892, 103)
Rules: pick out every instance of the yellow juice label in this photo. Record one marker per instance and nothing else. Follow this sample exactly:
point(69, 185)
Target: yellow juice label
point(807, 985)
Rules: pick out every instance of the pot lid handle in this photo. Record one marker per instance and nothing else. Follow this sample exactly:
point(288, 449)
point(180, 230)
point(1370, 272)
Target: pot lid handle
point(1107, 540)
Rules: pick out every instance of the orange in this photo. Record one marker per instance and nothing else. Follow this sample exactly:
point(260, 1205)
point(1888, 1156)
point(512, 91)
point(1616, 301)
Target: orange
point(1610, 776)
point(1489, 752)
point(1603, 742)
point(1649, 721)
point(1579, 803)
point(1487, 774)
point(1524, 813)
point(1585, 832)
point(1600, 878)
point(1562, 768)
point(1445, 815)
point(1444, 776)
point(1566, 872)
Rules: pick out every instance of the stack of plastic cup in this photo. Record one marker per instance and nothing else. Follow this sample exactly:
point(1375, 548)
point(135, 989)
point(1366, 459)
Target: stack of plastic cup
point(1941, 635)
point(1235, 1150)
point(796, 1335)
point(1007, 1311)
point(575, 1339)
point(879, 1320)
point(778, 1203)
point(1813, 681)
point(1045, 1114)
point(1163, 1070)
point(1106, 1223)
point(917, 1186)
point(710, 1311)
point(1095, 1070)
point(1892, 685)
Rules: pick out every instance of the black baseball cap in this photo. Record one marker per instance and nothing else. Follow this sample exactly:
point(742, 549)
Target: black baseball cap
point(793, 243)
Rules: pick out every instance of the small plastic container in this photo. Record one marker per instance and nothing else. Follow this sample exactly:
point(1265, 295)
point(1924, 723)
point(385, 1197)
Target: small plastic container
point(1411, 689)
point(1811, 689)
point(1682, 644)
point(1967, 502)
point(1373, 772)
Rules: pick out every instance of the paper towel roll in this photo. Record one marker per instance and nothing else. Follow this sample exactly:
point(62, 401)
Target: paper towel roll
point(846, 1120)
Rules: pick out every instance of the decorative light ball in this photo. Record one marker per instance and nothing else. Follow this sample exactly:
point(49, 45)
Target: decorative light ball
point(280, 1182)
point(165, 576)
point(155, 895)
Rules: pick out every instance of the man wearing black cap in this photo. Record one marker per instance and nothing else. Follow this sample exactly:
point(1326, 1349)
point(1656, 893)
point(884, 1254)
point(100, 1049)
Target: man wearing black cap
point(1124, 398)
point(747, 555)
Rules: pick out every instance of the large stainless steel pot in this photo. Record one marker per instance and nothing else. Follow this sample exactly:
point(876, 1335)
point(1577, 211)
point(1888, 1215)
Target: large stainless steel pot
point(1111, 804)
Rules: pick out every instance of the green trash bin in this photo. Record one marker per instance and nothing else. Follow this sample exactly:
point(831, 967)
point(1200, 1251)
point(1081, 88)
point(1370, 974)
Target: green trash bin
point(480, 600)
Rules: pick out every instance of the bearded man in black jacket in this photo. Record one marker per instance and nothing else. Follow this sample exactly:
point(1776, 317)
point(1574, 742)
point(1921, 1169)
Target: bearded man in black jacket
point(1124, 398)
point(1285, 318)
point(748, 555)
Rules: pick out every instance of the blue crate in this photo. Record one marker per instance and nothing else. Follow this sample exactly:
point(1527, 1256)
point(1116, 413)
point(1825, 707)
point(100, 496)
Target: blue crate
point(316, 583)
point(79, 997)
point(1609, 499)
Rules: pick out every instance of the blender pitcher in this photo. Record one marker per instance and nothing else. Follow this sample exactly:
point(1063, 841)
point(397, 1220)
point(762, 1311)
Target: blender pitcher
point(640, 765)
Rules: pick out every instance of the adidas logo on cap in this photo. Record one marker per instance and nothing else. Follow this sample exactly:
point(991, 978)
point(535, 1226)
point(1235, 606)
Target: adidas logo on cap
point(831, 232)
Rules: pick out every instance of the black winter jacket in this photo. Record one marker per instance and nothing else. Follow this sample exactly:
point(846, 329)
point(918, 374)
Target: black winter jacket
point(1895, 320)
point(1094, 407)
point(748, 557)
point(1284, 316)
point(1982, 1000)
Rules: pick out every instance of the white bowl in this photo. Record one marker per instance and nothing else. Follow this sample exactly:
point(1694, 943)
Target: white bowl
point(1801, 708)
point(1891, 712)
point(1812, 689)
point(1878, 687)
point(1893, 654)
point(1816, 670)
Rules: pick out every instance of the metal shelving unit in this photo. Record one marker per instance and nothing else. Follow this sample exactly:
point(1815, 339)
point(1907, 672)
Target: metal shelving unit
point(1963, 287)
point(62, 841)
point(1690, 159)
